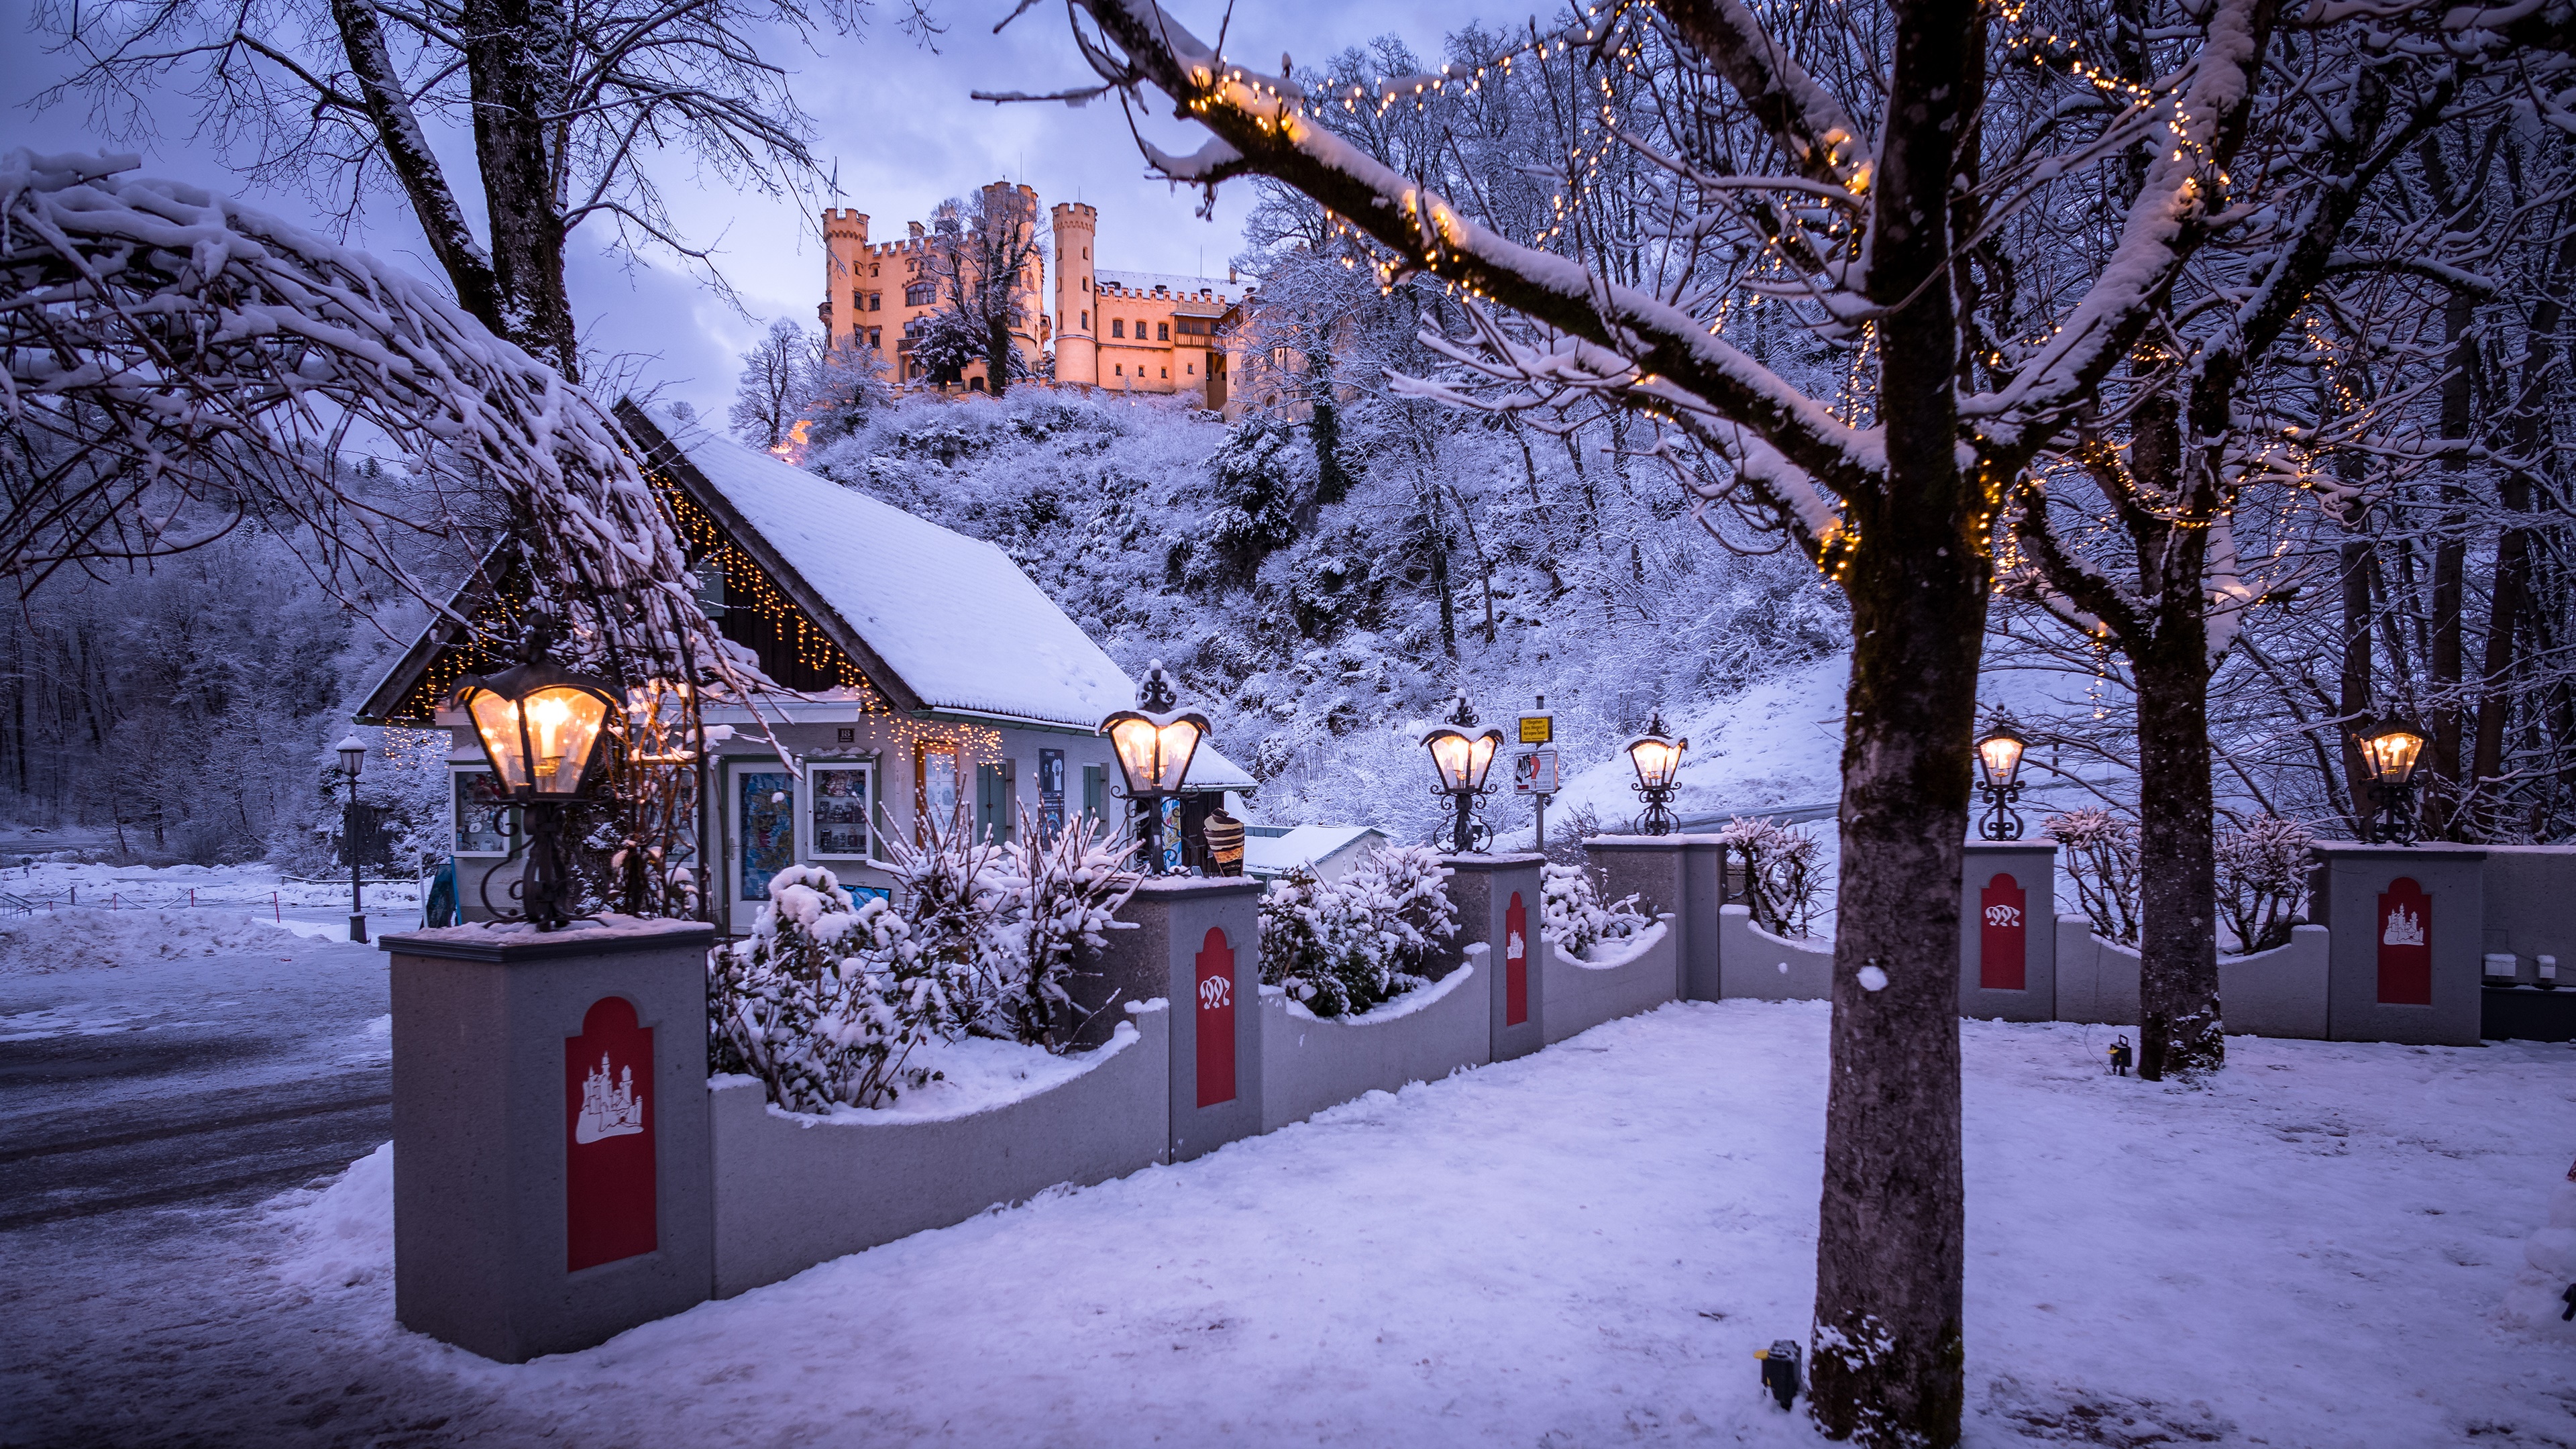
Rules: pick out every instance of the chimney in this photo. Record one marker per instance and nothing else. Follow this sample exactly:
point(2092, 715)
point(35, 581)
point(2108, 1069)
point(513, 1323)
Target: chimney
point(1229, 274)
point(916, 231)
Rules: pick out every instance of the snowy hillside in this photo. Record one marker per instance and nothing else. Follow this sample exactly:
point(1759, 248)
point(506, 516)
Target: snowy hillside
point(1323, 638)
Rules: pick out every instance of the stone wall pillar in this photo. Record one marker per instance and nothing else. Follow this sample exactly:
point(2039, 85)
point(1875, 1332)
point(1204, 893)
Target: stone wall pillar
point(1196, 944)
point(2408, 922)
point(552, 1179)
point(1498, 903)
point(2008, 930)
point(1684, 875)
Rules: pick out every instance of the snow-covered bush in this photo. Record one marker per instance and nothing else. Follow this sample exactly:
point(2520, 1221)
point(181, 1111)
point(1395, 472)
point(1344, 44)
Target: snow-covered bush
point(1783, 878)
point(1572, 917)
point(2263, 880)
point(952, 897)
point(1342, 947)
point(824, 1002)
point(1056, 898)
point(2102, 858)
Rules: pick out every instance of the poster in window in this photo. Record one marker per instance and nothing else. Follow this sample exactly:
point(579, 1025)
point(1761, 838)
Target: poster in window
point(1172, 843)
point(841, 797)
point(1051, 793)
point(478, 803)
point(768, 815)
point(939, 787)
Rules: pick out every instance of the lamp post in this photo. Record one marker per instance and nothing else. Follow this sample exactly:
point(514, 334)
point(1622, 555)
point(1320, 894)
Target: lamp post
point(540, 726)
point(1460, 760)
point(1154, 743)
point(2389, 750)
point(353, 753)
point(1658, 760)
point(1999, 753)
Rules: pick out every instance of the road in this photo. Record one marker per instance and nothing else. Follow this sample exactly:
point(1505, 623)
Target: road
point(195, 1083)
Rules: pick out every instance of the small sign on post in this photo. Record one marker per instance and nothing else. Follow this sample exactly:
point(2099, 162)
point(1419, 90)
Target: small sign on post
point(1534, 773)
point(1534, 768)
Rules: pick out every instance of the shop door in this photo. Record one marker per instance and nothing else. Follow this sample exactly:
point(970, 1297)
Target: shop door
point(760, 828)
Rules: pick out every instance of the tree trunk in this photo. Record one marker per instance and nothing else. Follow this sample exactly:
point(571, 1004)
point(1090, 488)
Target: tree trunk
point(2180, 1032)
point(1888, 1355)
point(515, 61)
point(415, 166)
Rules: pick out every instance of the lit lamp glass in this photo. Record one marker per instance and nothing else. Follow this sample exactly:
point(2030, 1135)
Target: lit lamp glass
point(2000, 755)
point(1461, 760)
point(541, 734)
point(1658, 762)
point(1154, 745)
point(2391, 752)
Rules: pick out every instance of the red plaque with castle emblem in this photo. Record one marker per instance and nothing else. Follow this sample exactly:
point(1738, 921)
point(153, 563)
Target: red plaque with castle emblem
point(1515, 962)
point(2405, 932)
point(2003, 936)
point(1215, 1029)
point(608, 1137)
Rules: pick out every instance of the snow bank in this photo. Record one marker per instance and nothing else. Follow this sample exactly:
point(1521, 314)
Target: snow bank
point(69, 939)
point(2542, 1296)
point(975, 1075)
point(342, 1235)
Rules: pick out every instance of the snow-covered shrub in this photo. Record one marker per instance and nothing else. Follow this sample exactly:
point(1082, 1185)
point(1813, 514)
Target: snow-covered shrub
point(1572, 917)
point(1401, 895)
point(824, 1002)
point(953, 900)
point(1056, 898)
point(1342, 947)
point(1262, 474)
point(2102, 858)
point(2263, 880)
point(1783, 878)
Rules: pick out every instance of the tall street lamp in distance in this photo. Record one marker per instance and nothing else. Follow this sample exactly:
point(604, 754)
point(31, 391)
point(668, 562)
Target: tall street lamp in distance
point(1154, 743)
point(1460, 760)
point(1658, 761)
point(353, 754)
point(540, 725)
point(2389, 751)
point(1999, 753)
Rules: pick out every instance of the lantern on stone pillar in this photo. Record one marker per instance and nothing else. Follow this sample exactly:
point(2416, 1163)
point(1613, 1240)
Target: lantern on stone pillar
point(1154, 743)
point(1460, 760)
point(2389, 752)
point(1999, 753)
point(540, 726)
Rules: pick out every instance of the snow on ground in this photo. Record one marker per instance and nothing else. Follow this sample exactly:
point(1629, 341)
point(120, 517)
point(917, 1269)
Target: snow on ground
point(1580, 1247)
point(61, 914)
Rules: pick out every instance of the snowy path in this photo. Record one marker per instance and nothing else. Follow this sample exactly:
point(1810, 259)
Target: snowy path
point(1582, 1247)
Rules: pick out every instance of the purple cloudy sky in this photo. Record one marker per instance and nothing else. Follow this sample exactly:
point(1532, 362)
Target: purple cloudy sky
point(897, 119)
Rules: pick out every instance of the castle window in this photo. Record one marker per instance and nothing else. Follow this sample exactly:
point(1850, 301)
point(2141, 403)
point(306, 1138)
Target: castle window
point(876, 337)
point(1167, 374)
point(1086, 321)
point(1121, 369)
point(1117, 326)
point(1086, 254)
point(1162, 331)
point(858, 302)
point(1191, 368)
point(1086, 284)
point(876, 301)
point(920, 294)
point(872, 269)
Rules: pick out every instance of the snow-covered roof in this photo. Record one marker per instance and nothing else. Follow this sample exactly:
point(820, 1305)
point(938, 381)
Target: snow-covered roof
point(1218, 287)
point(955, 620)
point(1313, 846)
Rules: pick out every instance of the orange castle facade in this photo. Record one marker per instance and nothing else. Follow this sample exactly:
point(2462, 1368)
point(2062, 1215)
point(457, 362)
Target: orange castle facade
point(1138, 332)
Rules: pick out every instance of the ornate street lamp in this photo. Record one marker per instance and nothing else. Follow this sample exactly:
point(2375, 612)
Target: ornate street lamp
point(1460, 760)
point(2389, 750)
point(353, 754)
point(540, 725)
point(1658, 761)
point(1999, 753)
point(1154, 743)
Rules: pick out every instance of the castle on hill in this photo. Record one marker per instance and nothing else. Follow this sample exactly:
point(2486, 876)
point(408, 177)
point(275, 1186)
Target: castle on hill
point(1139, 332)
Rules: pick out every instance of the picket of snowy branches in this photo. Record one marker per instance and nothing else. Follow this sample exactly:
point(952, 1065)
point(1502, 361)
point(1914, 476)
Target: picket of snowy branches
point(830, 997)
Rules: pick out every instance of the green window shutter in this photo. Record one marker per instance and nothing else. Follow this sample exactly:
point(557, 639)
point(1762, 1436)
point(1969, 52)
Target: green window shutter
point(1095, 791)
point(994, 817)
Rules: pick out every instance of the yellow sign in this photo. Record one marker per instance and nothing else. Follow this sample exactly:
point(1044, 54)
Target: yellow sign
point(1538, 729)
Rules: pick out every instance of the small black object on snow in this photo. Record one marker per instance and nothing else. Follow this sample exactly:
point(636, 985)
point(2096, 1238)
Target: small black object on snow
point(2120, 1058)
point(1780, 1370)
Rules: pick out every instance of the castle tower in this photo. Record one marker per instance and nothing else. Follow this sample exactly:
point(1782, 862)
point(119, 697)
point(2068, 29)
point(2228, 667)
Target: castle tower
point(845, 271)
point(1077, 352)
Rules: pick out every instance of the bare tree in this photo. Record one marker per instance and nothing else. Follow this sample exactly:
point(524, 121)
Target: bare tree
point(986, 256)
point(766, 399)
point(567, 105)
point(1858, 172)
